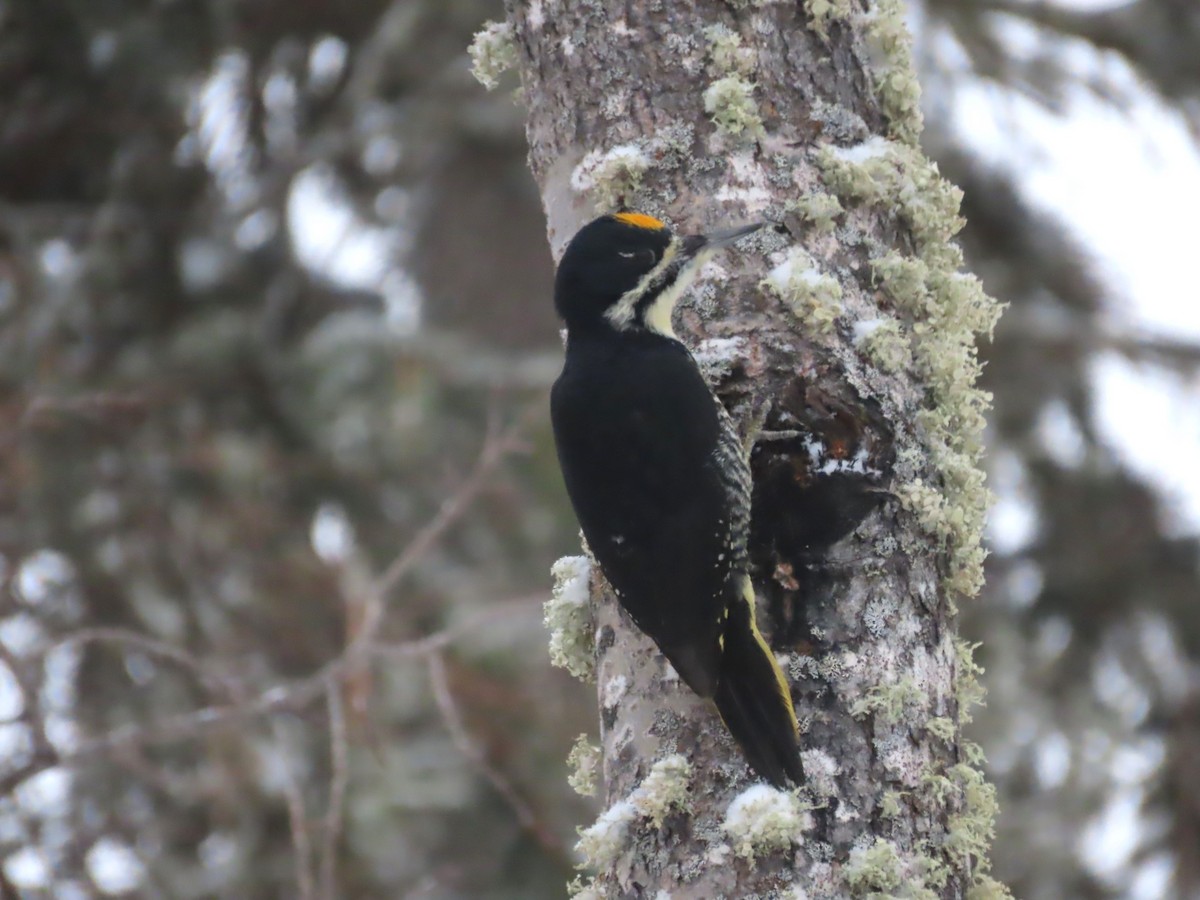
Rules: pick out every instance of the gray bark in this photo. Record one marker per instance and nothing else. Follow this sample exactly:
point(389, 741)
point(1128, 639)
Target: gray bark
point(889, 806)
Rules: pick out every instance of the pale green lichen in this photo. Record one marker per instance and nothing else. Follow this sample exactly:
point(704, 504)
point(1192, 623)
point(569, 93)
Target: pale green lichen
point(855, 173)
point(971, 752)
point(884, 342)
point(957, 525)
point(603, 840)
point(939, 788)
point(890, 703)
point(937, 315)
point(814, 297)
point(818, 209)
point(968, 689)
point(962, 303)
point(663, 790)
point(988, 888)
point(970, 831)
point(942, 728)
point(492, 53)
point(762, 820)
point(875, 869)
point(611, 176)
point(822, 12)
point(728, 53)
point(906, 281)
point(890, 806)
point(568, 616)
point(881, 871)
point(730, 103)
point(896, 77)
point(879, 170)
point(584, 760)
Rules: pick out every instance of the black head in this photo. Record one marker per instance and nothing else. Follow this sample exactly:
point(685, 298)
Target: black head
point(626, 270)
point(606, 260)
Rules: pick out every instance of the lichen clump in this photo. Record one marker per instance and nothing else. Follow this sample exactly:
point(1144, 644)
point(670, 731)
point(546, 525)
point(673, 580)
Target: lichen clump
point(881, 869)
point(890, 703)
point(895, 77)
point(882, 171)
point(884, 342)
point(611, 175)
point(822, 12)
point(762, 820)
point(727, 52)
point(661, 792)
point(730, 103)
point(818, 209)
point(584, 760)
point(492, 53)
point(814, 297)
point(605, 838)
point(568, 616)
point(945, 310)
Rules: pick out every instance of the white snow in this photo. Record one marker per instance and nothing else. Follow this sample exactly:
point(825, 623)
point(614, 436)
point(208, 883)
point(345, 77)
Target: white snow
point(872, 148)
point(600, 165)
point(614, 690)
point(761, 819)
point(602, 840)
point(573, 574)
point(796, 268)
point(865, 328)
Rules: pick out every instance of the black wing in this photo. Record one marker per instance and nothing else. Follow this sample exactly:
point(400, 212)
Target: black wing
point(644, 452)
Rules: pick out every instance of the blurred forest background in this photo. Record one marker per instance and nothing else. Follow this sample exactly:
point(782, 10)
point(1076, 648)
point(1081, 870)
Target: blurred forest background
point(278, 499)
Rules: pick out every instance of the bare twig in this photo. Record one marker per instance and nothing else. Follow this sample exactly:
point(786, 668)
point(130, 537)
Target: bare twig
point(339, 776)
point(439, 640)
point(469, 748)
point(497, 445)
point(244, 704)
point(297, 820)
point(292, 696)
point(204, 671)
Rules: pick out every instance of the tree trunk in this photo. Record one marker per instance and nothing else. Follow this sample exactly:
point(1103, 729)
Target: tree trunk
point(848, 325)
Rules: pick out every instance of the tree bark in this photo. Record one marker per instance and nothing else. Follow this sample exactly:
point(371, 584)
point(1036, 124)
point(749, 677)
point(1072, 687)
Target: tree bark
point(848, 325)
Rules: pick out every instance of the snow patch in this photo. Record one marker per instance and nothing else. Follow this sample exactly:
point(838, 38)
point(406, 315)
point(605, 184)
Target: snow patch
point(872, 148)
point(601, 165)
point(865, 328)
point(603, 840)
point(614, 690)
point(762, 819)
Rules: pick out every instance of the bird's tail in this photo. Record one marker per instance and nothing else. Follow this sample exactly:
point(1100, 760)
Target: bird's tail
point(754, 700)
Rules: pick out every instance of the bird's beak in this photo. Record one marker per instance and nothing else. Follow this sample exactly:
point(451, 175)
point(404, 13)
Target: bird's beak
point(694, 244)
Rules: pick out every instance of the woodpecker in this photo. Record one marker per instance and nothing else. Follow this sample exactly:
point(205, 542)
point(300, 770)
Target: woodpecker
point(658, 476)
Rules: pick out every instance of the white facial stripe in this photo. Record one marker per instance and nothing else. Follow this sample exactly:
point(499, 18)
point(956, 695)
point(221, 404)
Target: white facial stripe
point(623, 312)
point(657, 317)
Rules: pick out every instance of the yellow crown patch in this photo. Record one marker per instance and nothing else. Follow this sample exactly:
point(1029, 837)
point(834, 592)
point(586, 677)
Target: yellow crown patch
point(640, 220)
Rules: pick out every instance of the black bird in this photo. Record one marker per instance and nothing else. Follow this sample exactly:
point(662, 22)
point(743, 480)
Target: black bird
point(659, 478)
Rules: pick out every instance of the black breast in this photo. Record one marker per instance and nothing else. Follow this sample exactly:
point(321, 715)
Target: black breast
point(638, 432)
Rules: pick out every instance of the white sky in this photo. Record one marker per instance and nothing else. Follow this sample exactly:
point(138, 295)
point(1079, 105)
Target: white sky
point(1127, 183)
